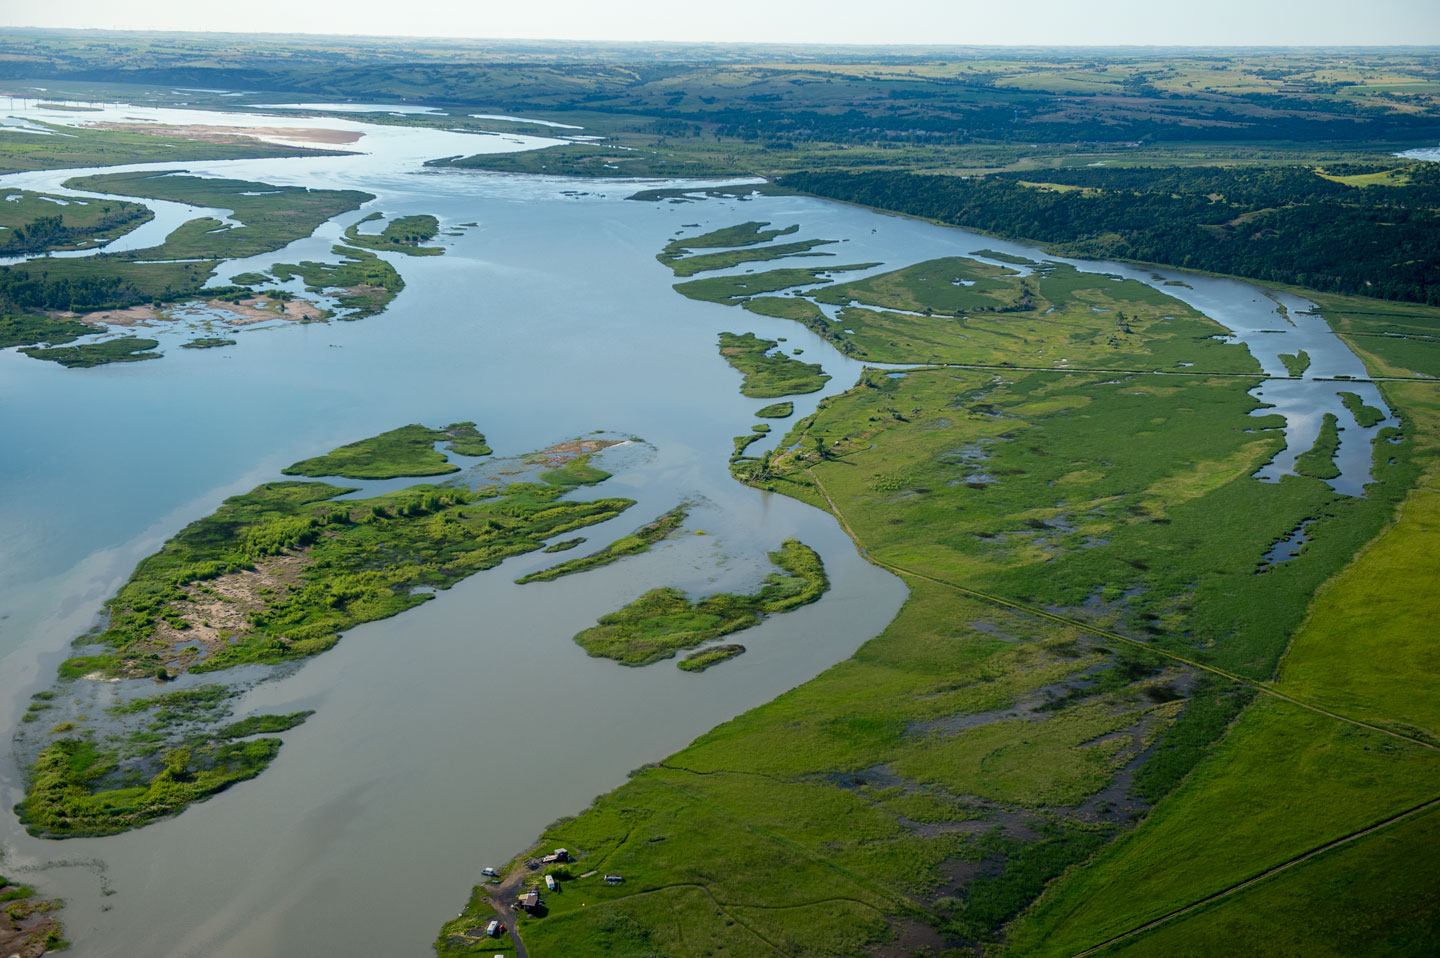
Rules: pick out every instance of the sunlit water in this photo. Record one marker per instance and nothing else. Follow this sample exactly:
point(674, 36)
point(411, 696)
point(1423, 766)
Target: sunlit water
point(447, 737)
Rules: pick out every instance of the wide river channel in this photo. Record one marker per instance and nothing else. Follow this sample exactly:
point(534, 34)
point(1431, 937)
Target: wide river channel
point(447, 737)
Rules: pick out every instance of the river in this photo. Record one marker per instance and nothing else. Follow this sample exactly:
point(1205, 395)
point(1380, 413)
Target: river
point(445, 738)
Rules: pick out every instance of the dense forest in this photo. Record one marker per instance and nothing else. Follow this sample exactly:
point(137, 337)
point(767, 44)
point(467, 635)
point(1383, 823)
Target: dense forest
point(1286, 225)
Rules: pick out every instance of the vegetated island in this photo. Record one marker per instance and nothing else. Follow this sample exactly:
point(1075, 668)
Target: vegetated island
point(664, 621)
point(43, 222)
point(125, 349)
point(737, 244)
point(405, 234)
point(1319, 460)
point(271, 577)
point(641, 540)
point(767, 374)
point(263, 218)
point(1365, 415)
point(1296, 363)
point(779, 410)
point(709, 656)
point(407, 451)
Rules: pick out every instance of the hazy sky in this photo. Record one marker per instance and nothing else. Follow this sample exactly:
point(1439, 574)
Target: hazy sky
point(1162, 22)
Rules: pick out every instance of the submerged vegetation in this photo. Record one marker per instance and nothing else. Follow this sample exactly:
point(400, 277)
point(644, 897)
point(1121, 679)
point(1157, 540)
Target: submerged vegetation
point(641, 540)
point(664, 621)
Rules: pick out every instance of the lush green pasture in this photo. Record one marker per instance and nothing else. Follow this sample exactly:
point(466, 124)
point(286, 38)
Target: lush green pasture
point(1338, 905)
point(768, 374)
point(1394, 339)
point(664, 621)
point(407, 451)
point(1380, 610)
point(405, 234)
point(641, 540)
point(1016, 484)
point(1284, 781)
point(37, 222)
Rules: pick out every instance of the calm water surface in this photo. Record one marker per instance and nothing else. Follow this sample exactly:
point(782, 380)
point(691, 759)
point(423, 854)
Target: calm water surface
point(447, 737)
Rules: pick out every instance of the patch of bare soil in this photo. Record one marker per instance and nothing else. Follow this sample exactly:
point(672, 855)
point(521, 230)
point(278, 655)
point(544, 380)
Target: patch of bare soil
point(260, 309)
point(219, 609)
point(24, 927)
point(561, 453)
point(130, 316)
point(232, 134)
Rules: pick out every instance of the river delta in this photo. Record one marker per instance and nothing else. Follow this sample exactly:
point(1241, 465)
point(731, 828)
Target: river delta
point(446, 737)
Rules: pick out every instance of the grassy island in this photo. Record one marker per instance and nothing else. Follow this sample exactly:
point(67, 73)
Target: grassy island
point(40, 222)
point(126, 349)
point(407, 451)
point(737, 245)
point(708, 657)
point(272, 576)
point(1365, 415)
point(405, 234)
point(734, 290)
point(664, 621)
point(1319, 460)
point(1296, 363)
point(769, 374)
point(641, 540)
point(779, 410)
point(363, 284)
